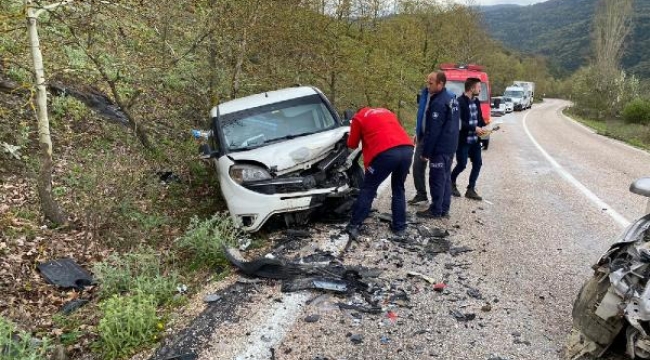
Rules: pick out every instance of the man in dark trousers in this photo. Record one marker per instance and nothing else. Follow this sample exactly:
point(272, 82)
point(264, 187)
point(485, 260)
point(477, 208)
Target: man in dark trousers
point(387, 150)
point(469, 143)
point(440, 131)
point(419, 164)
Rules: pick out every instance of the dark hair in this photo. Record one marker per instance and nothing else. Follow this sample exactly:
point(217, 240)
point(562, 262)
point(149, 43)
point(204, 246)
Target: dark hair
point(470, 82)
point(441, 77)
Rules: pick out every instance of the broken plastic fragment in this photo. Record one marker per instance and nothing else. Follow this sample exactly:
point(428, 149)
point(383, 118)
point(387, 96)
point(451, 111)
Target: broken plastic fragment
point(428, 279)
point(439, 287)
point(65, 273)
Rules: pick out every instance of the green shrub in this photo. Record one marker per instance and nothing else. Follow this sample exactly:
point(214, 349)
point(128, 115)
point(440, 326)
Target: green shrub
point(16, 345)
point(127, 324)
point(206, 239)
point(637, 111)
point(141, 271)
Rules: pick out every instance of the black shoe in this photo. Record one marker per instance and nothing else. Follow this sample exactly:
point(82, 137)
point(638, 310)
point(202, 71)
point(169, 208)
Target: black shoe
point(471, 194)
point(353, 231)
point(426, 214)
point(418, 199)
point(454, 191)
point(446, 216)
point(399, 233)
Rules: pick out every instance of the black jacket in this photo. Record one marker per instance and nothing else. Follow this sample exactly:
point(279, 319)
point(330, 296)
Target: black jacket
point(465, 129)
point(441, 130)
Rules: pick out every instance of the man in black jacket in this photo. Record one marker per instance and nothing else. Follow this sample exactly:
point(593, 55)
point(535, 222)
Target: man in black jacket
point(469, 143)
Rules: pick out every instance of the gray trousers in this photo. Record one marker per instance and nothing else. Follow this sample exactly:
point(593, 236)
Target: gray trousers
point(419, 172)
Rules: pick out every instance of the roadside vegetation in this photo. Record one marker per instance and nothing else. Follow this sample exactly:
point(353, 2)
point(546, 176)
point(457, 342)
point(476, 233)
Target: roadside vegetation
point(605, 97)
point(126, 83)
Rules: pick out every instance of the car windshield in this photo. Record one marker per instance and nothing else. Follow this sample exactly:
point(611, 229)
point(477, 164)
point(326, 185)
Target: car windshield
point(514, 93)
point(268, 124)
point(458, 88)
point(507, 99)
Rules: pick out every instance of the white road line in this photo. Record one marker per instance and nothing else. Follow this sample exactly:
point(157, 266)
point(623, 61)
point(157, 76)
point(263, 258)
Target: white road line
point(573, 181)
point(281, 317)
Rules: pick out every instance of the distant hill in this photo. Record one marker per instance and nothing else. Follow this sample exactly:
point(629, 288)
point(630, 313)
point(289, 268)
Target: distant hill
point(561, 31)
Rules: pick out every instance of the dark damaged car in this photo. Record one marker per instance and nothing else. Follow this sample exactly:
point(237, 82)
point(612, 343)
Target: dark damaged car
point(612, 309)
point(282, 153)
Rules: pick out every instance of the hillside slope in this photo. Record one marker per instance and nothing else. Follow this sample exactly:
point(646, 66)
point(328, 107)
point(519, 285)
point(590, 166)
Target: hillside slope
point(561, 31)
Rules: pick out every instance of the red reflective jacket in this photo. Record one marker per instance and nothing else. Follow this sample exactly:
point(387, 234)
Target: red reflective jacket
point(378, 130)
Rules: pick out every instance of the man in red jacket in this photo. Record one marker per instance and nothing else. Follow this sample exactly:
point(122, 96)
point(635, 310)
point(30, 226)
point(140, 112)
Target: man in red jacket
point(387, 150)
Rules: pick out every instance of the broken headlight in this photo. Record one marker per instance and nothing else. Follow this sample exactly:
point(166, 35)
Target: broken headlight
point(248, 173)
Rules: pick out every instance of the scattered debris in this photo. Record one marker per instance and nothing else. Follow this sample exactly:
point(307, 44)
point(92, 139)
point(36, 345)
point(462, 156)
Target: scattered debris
point(167, 177)
point(211, 298)
point(432, 233)
point(312, 318)
point(335, 285)
point(462, 317)
point(385, 340)
point(428, 279)
point(518, 341)
point(486, 308)
point(356, 339)
point(459, 250)
point(182, 289)
point(439, 287)
point(72, 306)
point(244, 243)
point(392, 316)
point(188, 356)
point(375, 310)
point(298, 234)
point(65, 273)
point(475, 293)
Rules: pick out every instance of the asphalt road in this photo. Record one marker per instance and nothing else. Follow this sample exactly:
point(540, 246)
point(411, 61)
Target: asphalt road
point(556, 196)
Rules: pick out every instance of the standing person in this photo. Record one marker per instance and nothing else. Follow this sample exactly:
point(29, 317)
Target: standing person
point(469, 143)
point(419, 164)
point(440, 139)
point(387, 150)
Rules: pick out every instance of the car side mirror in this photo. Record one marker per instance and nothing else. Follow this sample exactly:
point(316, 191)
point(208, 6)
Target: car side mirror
point(206, 152)
point(642, 187)
point(347, 116)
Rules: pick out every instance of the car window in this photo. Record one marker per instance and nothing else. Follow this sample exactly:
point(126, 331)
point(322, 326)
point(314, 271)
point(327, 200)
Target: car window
point(276, 122)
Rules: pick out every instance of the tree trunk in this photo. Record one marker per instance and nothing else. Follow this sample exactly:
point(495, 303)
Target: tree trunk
point(49, 206)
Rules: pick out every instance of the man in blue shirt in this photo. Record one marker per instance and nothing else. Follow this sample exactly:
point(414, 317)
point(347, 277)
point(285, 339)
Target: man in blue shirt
point(440, 140)
point(469, 143)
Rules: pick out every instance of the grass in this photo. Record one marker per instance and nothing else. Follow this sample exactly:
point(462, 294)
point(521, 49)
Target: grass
point(205, 240)
point(128, 324)
point(16, 345)
point(137, 272)
point(633, 134)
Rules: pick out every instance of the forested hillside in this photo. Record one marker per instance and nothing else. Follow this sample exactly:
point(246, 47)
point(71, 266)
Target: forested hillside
point(561, 30)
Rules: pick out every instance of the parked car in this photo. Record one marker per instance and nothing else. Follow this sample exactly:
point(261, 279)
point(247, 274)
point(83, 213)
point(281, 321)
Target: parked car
point(498, 107)
point(282, 153)
point(510, 105)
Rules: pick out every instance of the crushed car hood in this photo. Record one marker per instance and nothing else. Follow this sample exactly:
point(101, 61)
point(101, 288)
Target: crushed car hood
point(295, 154)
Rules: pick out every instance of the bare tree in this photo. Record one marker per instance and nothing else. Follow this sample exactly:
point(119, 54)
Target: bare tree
point(50, 208)
point(612, 25)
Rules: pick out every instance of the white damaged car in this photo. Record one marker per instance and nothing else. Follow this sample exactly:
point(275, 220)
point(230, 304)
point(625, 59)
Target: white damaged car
point(282, 153)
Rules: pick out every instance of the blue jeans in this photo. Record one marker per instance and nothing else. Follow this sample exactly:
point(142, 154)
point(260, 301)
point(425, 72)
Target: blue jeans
point(473, 152)
point(440, 184)
point(395, 162)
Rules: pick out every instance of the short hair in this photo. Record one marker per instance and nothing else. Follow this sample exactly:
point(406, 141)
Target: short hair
point(441, 77)
point(470, 82)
